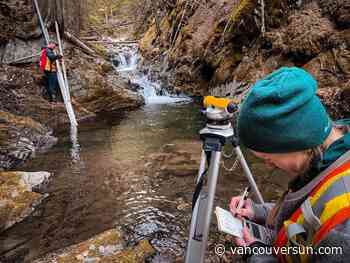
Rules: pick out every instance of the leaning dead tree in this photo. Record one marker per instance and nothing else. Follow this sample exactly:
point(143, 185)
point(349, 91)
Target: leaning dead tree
point(69, 14)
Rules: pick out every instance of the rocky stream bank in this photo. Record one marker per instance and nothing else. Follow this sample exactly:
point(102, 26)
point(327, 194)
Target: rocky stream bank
point(222, 47)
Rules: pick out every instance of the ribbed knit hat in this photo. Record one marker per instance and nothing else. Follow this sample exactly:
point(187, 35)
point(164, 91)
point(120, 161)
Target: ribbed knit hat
point(282, 113)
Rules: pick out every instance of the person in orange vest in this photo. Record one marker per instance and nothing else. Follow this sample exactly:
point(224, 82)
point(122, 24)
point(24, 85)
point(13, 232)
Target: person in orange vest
point(283, 122)
point(48, 66)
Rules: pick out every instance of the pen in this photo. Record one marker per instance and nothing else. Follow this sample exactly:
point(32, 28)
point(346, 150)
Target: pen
point(243, 198)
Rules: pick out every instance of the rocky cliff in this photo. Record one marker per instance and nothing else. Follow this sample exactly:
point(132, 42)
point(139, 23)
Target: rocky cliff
point(206, 44)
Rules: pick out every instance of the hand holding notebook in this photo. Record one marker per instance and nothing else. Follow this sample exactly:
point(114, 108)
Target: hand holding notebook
point(234, 226)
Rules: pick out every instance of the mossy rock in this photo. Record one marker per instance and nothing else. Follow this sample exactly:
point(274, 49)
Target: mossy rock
point(17, 199)
point(100, 49)
point(107, 247)
point(105, 67)
point(148, 39)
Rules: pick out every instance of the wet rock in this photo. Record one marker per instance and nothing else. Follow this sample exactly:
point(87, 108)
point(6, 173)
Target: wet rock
point(21, 138)
point(105, 247)
point(97, 90)
point(106, 67)
point(17, 199)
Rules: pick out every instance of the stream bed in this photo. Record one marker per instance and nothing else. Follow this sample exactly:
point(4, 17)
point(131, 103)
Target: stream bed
point(108, 187)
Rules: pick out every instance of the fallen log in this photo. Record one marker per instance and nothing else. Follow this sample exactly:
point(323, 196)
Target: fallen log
point(99, 42)
point(79, 43)
point(90, 38)
point(22, 60)
point(108, 26)
point(126, 42)
point(112, 42)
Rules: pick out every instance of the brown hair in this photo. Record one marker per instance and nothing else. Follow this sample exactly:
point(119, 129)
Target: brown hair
point(315, 154)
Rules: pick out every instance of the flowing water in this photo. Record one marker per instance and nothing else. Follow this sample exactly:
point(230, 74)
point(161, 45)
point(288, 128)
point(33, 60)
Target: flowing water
point(111, 183)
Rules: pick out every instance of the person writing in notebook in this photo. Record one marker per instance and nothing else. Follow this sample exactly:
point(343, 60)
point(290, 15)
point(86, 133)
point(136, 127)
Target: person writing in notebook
point(283, 122)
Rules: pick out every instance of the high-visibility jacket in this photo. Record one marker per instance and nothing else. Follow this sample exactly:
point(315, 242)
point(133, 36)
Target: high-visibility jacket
point(326, 207)
point(48, 60)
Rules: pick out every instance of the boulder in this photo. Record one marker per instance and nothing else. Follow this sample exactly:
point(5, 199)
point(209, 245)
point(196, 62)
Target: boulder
point(105, 247)
point(17, 197)
point(21, 138)
point(18, 49)
point(102, 99)
point(96, 87)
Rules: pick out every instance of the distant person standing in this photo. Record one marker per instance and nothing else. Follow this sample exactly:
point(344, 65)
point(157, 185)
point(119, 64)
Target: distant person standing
point(49, 67)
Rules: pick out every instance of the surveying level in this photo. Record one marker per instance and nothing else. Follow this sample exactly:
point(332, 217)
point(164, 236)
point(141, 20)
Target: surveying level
point(217, 133)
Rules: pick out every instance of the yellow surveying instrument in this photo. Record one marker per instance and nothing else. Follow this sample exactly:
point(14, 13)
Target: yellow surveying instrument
point(217, 133)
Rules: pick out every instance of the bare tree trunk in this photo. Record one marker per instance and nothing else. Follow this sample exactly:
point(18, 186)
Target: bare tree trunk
point(66, 12)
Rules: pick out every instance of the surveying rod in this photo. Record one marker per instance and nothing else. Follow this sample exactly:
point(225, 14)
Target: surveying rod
point(225, 105)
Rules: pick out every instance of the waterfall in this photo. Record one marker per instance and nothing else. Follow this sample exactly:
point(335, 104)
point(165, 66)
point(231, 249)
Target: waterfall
point(127, 58)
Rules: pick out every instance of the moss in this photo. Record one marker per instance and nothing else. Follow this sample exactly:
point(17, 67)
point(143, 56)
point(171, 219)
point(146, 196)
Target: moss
point(23, 122)
point(238, 11)
point(17, 200)
point(100, 49)
point(237, 56)
point(148, 39)
point(112, 238)
point(219, 58)
point(133, 255)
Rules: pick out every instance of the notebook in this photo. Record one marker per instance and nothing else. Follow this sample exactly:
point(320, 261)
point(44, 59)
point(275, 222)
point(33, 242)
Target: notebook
point(231, 225)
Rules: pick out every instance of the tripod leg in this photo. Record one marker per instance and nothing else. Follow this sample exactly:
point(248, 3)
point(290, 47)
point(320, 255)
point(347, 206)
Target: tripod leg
point(249, 175)
point(194, 246)
point(202, 212)
point(197, 221)
point(202, 165)
point(213, 178)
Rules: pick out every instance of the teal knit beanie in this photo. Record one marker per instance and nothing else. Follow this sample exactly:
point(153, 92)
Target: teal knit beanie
point(282, 114)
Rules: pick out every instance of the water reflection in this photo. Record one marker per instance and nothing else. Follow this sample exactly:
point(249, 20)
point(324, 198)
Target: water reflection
point(147, 130)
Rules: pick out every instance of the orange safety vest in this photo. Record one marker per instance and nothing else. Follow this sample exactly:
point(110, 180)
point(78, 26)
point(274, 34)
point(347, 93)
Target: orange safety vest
point(46, 64)
point(326, 207)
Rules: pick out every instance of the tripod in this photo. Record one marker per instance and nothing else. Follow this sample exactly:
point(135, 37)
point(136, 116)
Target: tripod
point(217, 133)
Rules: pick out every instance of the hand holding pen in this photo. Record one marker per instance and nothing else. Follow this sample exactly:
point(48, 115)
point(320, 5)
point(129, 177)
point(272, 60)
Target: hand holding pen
point(241, 206)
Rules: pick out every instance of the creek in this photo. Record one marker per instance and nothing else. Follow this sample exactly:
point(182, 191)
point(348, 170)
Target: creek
point(114, 182)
